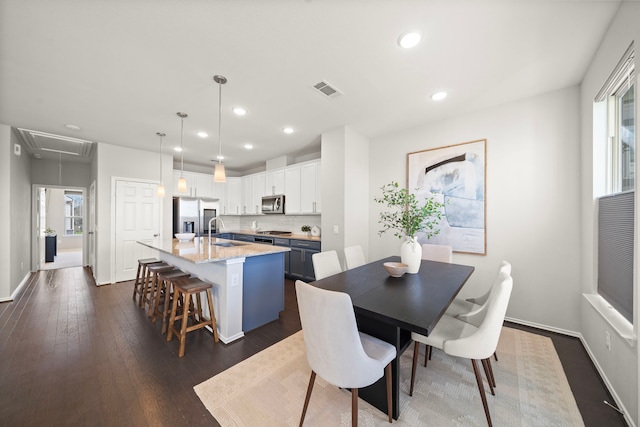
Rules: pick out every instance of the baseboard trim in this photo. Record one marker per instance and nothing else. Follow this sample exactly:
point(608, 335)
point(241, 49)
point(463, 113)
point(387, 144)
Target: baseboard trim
point(15, 293)
point(544, 327)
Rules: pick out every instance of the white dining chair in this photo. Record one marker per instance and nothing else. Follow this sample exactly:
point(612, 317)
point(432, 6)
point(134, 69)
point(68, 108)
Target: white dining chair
point(325, 264)
point(461, 306)
point(353, 257)
point(336, 350)
point(440, 253)
point(461, 339)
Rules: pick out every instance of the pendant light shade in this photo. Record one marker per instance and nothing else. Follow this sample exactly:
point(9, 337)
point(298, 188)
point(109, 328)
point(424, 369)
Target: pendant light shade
point(182, 182)
point(160, 191)
point(219, 174)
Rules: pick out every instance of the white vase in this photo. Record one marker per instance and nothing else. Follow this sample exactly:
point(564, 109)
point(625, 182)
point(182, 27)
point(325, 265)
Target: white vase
point(411, 254)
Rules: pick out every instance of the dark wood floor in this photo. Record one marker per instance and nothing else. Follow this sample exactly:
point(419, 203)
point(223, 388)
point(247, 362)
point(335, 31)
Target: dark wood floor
point(72, 354)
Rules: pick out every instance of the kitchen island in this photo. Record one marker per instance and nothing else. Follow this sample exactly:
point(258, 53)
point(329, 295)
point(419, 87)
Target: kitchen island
point(247, 278)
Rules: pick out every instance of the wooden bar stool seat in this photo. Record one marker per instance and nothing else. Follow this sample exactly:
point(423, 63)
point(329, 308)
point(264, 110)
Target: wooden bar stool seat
point(164, 294)
point(185, 289)
point(141, 275)
point(151, 284)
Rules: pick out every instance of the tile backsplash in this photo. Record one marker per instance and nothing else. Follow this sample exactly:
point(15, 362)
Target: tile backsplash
point(291, 223)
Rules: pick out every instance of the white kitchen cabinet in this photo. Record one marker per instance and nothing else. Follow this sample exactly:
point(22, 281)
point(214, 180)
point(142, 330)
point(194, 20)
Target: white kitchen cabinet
point(233, 199)
point(258, 188)
point(310, 188)
point(292, 190)
point(274, 182)
point(219, 190)
point(202, 185)
point(248, 207)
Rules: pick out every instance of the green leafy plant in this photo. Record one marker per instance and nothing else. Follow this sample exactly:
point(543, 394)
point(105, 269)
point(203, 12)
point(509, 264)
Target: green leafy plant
point(49, 231)
point(407, 216)
point(306, 228)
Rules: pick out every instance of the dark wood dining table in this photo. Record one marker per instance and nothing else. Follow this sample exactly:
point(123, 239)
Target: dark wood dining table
point(390, 308)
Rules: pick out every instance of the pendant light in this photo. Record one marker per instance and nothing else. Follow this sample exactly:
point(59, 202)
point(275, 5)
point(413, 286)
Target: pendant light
point(161, 186)
point(182, 183)
point(219, 174)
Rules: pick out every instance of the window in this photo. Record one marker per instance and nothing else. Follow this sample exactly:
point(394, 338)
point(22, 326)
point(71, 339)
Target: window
point(616, 213)
point(73, 212)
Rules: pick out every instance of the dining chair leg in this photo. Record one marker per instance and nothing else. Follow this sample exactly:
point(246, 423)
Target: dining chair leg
point(354, 407)
point(307, 397)
point(483, 396)
point(495, 355)
point(416, 352)
point(485, 363)
point(493, 378)
point(389, 403)
point(427, 354)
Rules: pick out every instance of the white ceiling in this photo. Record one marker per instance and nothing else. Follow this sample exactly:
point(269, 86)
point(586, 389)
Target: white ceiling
point(121, 69)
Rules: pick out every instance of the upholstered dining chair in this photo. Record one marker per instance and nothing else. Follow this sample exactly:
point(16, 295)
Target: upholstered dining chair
point(462, 339)
point(461, 306)
point(325, 264)
point(440, 253)
point(336, 350)
point(353, 257)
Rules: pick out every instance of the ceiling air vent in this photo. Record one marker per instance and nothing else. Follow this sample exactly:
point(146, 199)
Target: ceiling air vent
point(327, 89)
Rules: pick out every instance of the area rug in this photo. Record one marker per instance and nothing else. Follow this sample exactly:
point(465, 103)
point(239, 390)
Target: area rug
point(268, 389)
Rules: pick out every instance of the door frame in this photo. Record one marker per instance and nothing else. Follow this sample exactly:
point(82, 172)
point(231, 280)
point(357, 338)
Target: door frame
point(112, 238)
point(35, 241)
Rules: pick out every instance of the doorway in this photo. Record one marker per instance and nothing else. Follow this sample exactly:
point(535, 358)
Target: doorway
point(59, 237)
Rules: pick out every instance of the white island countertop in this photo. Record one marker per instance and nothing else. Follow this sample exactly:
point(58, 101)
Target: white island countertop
point(220, 249)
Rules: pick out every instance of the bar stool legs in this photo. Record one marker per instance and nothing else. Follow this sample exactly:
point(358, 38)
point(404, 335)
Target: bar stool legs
point(185, 289)
point(141, 275)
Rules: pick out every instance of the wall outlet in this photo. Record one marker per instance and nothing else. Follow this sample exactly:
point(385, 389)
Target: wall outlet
point(607, 340)
point(22, 266)
point(335, 229)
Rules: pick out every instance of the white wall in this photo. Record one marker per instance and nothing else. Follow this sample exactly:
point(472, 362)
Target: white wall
point(5, 216)
point(20, 208)
point(533, 207)
point(115, 161)
point(619, 367)
point(55, 219)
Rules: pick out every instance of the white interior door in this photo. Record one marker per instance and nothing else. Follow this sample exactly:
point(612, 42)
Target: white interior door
point(137, 219)
point(92, 228)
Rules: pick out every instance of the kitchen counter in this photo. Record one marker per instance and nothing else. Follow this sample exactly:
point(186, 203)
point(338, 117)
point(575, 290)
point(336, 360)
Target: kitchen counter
point(197, 253)
point(247, 279)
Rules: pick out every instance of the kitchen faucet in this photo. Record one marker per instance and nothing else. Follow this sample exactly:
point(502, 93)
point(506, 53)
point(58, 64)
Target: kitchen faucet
point(210, 221)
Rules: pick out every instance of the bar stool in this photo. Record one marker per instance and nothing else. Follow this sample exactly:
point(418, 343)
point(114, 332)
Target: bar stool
point(184, 289)
point(141, 275)
point(151, 284)
point(164, 294)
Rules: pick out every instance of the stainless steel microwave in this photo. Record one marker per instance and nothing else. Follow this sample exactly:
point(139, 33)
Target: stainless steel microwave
point(273, 204)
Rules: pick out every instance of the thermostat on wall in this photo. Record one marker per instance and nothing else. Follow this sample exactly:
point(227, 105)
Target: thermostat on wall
point(17, 149)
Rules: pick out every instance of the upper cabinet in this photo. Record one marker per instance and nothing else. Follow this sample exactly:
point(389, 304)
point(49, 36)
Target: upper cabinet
point(310, 190)
point(233, 199)
point(299, 183)
point(302, 189)
point(274, 182)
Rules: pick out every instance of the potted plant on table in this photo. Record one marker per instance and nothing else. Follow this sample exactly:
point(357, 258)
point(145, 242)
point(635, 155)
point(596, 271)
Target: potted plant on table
point(306, 229)
point(406, 217)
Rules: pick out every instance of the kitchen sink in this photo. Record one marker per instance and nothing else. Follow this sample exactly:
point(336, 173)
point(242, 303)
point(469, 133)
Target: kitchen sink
point(228, 244)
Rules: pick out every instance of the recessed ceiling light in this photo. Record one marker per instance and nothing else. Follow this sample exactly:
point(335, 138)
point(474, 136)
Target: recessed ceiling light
point(239, 111)
point(220, 157)
point(409, 39)
point(439, 96)
point(248, 146)
point(177, 149)
point(287, 130)
point(72, 127)
point(202, 134)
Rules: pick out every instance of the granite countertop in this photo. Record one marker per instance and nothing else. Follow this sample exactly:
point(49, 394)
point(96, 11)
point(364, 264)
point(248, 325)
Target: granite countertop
point(220, 250)
point(289, 236)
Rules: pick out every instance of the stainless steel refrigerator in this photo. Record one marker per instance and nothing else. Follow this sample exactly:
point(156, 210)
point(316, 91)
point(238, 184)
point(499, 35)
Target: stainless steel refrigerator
point(192, 215)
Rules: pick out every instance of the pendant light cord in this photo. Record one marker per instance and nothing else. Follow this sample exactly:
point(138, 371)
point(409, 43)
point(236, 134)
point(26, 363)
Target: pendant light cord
point(220, 121)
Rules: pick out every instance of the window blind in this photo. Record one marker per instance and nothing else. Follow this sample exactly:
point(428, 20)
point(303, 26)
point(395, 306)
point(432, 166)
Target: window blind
point(615, 251)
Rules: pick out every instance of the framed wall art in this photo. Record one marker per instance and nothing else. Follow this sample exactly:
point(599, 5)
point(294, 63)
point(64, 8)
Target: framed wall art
point(456, 176)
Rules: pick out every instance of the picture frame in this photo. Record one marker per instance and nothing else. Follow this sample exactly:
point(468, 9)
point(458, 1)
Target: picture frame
point(455, 175)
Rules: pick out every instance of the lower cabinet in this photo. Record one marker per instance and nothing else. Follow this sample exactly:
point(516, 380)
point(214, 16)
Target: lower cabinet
point(300, 264)
point(287, 255)
point(244, 237)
